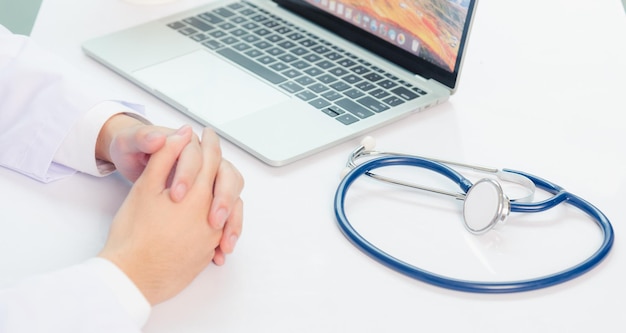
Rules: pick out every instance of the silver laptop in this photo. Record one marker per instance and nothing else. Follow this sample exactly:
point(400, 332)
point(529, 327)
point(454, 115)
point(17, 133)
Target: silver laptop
point(284, 79)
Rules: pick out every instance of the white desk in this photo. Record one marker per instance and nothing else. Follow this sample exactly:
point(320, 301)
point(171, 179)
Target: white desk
point(542, 91)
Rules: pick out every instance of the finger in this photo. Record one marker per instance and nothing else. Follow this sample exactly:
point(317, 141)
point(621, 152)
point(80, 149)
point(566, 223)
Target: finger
point(161, 163)
point(147, 140)
point(219, 258)
point(211, 159)
point(187, 169)
point(232, 229)
point(226, 191)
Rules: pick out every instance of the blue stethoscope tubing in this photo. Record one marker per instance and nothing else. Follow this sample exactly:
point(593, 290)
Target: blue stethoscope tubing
point(559, 196)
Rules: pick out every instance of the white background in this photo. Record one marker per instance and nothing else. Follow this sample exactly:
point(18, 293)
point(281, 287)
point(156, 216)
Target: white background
point(542, 91)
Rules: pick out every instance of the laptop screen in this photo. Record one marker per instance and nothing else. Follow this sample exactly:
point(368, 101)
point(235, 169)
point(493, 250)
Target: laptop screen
point(426, 37)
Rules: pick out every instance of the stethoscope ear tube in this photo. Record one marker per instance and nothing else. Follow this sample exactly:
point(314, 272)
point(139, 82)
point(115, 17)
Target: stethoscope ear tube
point(465, 285)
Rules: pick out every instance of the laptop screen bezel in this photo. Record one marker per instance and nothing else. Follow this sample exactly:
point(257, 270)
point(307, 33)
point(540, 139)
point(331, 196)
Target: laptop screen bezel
point(378, 46)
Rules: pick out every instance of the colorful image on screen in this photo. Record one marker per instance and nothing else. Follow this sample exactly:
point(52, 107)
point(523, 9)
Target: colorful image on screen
point(431, 29)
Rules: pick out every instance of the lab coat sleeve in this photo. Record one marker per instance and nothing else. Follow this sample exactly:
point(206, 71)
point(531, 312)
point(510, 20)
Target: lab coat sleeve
point(75, 299)
point(43, 100)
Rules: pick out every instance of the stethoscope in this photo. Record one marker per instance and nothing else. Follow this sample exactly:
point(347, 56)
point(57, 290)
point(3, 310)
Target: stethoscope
point(485, 204)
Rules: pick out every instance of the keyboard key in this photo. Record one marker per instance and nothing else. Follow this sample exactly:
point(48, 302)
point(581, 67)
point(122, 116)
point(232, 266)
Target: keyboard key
point(338, 71)
point(325, 64)
point(266, 60)
point(340, 86)
point(331, 95)
point(262, 32)
point(211, 18)
point(320, 49)
point(252, 66)
point(379, 93)
point(279, 66)
point(223, 12)
point(282, 30)
point(347, 119)
point(198, 24)
point(318, 88)
point(393, 101)
point(274, 38)
point(333, 111)
point(365, 86)
point(286, 44)
point(327, 78)
point(270, 24)
point(241, 47)
point(301, 64)
point(238, 19)
point(319, 103)
point(360, 70)
point(217, 34)
point(373, 77)
point(352, 79)
point(262, 44)
point(333, 56)
point(275, 51)
point(258, 18)
point(354, 108)
point(346, 63)
point(305, 80)
point(253, 53)
point(354, 93)
point(373, 104)
point(307, 43)
point(419, 91)
point(199, 37)
point(306, 95)
point(405, 93)
point(238, 32)
point(314, 71)
point(291, 73)
point(187, 31)
point(387, 84)
point(295, 36)
point(227, 26)
point(299, 51)
point(213, 44)
point(291, 87)
point(229, 40)
point(250, 26)
point(176, 25)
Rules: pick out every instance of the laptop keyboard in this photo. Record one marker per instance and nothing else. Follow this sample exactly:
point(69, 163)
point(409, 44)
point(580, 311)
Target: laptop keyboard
point(334, 81)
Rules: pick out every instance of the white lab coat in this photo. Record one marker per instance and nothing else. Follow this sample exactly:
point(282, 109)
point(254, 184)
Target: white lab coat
point(49, 124)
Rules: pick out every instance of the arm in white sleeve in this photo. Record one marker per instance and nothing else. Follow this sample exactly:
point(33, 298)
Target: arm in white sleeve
point(78, 149)
point(94, 296)
point(43, 101)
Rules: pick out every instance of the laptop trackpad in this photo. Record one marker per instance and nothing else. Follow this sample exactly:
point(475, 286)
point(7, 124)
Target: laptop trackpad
point(209, 87)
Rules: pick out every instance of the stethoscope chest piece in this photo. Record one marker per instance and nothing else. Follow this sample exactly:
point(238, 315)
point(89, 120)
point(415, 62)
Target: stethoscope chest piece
point(484, 206)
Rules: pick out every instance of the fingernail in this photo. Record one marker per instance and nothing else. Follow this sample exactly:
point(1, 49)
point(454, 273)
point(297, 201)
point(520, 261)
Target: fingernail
point(179, 192)
point(233, 240)
point(182, 130)
point(221, 217)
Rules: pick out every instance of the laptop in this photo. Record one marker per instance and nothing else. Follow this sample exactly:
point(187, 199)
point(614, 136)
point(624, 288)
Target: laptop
point(284, 79)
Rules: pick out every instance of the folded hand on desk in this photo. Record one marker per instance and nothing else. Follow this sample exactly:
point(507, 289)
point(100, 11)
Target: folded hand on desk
point(162, 242)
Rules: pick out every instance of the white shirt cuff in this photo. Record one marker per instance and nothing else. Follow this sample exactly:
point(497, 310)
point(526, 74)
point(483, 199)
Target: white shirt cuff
point(129, 296)
point(78, 149)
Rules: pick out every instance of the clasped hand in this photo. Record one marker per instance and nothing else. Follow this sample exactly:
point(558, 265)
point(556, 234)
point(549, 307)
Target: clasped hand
point(183, 211)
